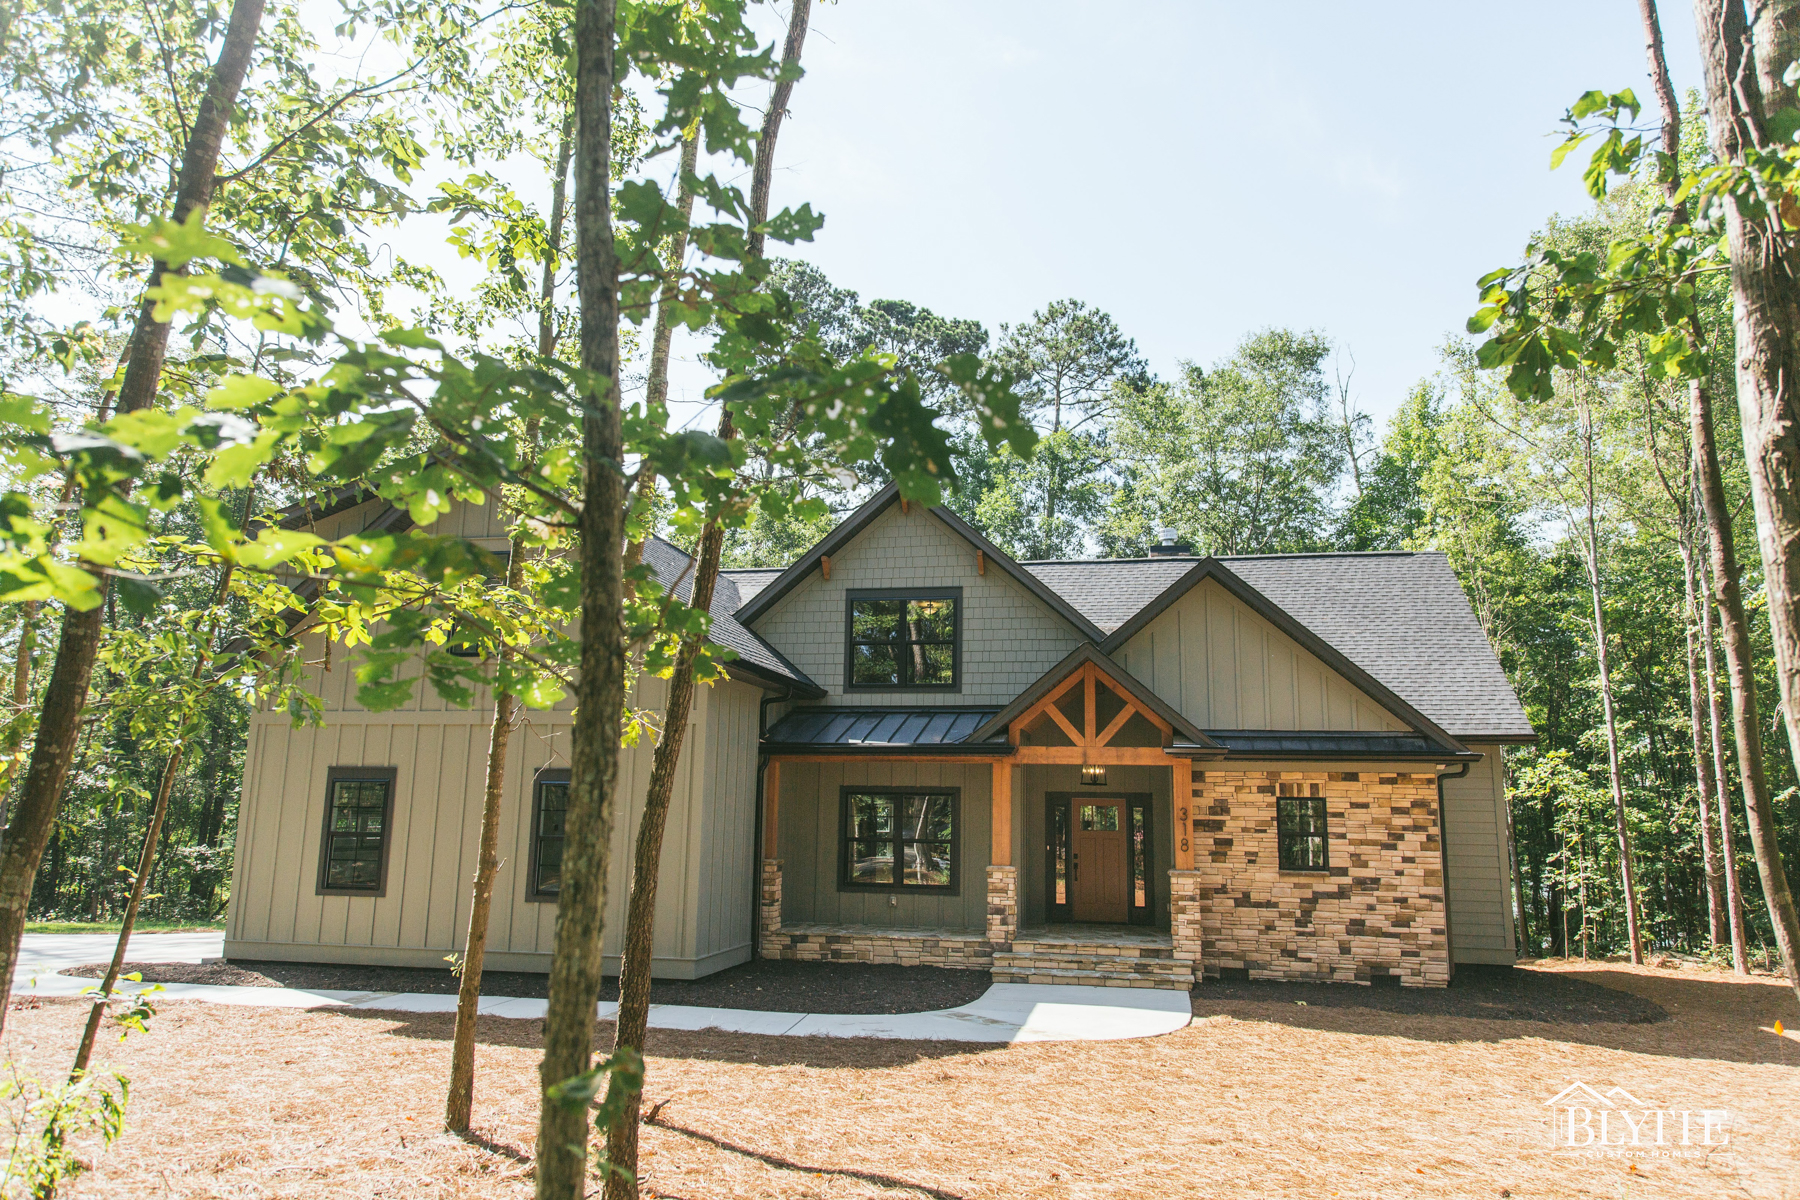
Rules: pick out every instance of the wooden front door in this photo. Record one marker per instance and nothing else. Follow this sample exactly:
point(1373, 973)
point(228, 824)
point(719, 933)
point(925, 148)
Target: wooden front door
point(1101, 886)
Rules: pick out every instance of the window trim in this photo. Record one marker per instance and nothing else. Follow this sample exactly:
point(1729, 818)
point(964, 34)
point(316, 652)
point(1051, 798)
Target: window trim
point(953, 888)
point(532, 894)
point(1324, 836)
point(851, 596)
point(334, 775)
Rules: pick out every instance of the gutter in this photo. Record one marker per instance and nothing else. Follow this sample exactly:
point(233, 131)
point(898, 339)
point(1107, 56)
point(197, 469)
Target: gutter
point(891, 749)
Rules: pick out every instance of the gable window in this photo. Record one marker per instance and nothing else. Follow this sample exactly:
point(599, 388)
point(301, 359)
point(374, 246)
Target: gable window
point(549, 803)
point(359, 808)
point(899, 841)
point(904, 640)
point(1300, 827)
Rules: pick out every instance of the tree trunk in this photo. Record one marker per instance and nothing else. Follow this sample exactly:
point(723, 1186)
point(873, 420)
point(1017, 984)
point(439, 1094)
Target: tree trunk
point(575, 968)
point(460, 1099)
point(640, 922)
point(1765, 286)
point(146, 860)
point(763, 176)
point(1715, 721)
point(1718, 925)
point(1627, 876)
point(656, 387)
point(1707, 484)
point(66, 694)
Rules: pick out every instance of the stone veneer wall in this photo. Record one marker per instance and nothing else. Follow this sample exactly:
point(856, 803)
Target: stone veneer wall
point(1377, 911)
point(1003, 905)
point(860, 943)
point(770, 917)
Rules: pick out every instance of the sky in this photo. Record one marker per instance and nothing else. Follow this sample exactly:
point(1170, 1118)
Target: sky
point(1198, 170)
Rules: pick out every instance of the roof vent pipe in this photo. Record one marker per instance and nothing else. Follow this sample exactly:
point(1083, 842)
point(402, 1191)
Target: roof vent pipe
point(1168, 545)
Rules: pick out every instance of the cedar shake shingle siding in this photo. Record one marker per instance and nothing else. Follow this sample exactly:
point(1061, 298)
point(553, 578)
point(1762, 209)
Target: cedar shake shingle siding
point(1009, 637)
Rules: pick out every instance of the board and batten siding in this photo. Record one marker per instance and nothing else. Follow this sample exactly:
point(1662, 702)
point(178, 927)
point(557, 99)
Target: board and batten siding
point(1477, 862)
point(1222, 666)
point(810, 824)
point(1009, 638)
point(704, 903)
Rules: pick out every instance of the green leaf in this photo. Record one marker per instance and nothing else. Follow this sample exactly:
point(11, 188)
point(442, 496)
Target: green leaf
point(411, 339)
point(241, 391)
point(140, 597)
point(178, 245)
point(1561, 152)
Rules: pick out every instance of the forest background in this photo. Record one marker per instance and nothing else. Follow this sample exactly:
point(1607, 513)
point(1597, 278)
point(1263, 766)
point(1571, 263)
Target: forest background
point(1266, 449)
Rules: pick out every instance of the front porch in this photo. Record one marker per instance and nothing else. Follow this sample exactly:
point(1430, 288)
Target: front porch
point(1085, 955)
point(1090, 835)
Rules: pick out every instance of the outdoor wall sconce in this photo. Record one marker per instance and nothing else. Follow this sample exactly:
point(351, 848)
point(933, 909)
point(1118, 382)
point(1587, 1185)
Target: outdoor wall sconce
point(1093, 776)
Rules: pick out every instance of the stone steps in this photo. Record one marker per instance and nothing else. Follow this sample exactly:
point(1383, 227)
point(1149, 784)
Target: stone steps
point(1092, 964)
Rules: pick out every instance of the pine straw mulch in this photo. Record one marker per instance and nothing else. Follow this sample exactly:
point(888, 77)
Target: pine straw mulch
point(1300, 1101)
point(764, 985)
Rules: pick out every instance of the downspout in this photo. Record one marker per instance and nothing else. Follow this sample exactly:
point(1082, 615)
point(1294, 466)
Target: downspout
point(756, 846)
point(1444, 859)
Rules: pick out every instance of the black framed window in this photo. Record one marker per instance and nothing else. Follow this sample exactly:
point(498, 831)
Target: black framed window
point(359, 810)
point(903, 639)
point(549, 804)
point(1300, 828)
point(900, 841)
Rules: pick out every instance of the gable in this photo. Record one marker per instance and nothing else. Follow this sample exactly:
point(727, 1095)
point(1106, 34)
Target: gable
point(1223, 666)
point(1010, 637)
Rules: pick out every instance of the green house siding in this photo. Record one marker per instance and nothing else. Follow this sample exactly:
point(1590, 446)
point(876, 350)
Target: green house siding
point(1009, 637)
point(810, 828)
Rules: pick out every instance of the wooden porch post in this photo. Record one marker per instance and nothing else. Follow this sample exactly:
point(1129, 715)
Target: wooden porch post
point(771, 807)
point(1001, 853)
point(1181, 775)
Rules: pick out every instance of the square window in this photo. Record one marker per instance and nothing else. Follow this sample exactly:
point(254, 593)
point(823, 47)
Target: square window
point(901, 641)
point(899, 841)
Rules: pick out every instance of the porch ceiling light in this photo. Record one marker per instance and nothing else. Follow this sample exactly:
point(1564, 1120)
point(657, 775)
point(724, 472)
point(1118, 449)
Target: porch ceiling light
point(1095, 776)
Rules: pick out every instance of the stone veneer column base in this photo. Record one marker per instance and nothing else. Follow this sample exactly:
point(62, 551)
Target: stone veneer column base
point(1185, 919)
point(770, 917)
point(1003, 904)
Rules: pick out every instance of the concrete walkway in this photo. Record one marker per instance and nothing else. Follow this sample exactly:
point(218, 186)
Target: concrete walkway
point(1006, 1012)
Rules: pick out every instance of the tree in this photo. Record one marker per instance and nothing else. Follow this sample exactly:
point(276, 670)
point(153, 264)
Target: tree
point(1751, 107)
point(459, 1097)
point(633, 1017)
point(66, 693)
point(1562, 310)
point(1242, 459)
point(1073, 363)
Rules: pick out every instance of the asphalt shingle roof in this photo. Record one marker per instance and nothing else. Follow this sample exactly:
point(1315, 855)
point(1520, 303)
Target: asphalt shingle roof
point(1400, 616)
point(671, 563)
point(750, 580)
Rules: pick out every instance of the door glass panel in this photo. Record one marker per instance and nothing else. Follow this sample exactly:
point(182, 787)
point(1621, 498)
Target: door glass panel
point(1100, 818)
point(1140, 865)
point(1059, 852)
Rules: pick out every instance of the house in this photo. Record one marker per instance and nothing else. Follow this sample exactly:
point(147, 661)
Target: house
point(1132, 771)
